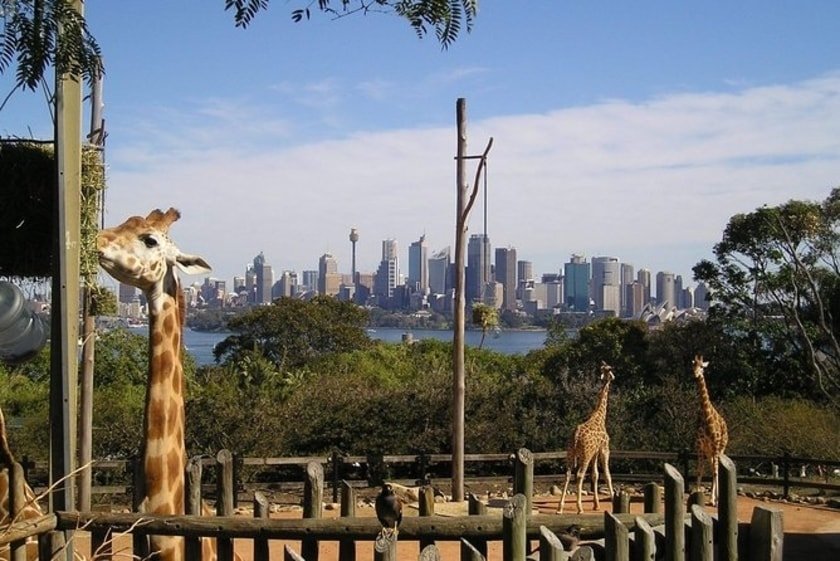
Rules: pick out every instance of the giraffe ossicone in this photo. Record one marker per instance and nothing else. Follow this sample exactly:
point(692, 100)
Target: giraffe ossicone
point(590, 444)
point(140, 253)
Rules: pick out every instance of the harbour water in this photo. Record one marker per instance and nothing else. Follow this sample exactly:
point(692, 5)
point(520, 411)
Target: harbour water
point(200, 343)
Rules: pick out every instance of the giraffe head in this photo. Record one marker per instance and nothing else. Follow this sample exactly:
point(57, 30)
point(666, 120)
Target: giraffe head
point(139, 252)
point(606, 372)
point(699, 366)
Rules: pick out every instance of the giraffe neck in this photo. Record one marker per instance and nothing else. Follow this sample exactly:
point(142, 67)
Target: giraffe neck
point(599, 415)
point(164, 454)
point(707, 410)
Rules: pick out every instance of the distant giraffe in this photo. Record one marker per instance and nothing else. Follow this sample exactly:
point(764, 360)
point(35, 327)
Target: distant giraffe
point(140, 253)
point(591, 444)
point(31, 509)
point(712, 434)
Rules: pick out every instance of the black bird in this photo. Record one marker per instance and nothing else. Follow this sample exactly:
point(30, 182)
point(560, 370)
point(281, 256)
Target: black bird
point(388, 510)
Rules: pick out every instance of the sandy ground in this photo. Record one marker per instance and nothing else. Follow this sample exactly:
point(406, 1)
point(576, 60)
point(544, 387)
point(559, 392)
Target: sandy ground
point(812, 533)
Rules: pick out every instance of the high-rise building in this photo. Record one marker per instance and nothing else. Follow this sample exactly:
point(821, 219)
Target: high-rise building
point(309, 281)
point(524, 277)
point(635, 294)
point(329, 279)
point(665, 294)
point(701, 296)
point(388, 273)
point(263, 280)
point(678, 293)
point(627, 278)
point(439, 277)
point(553, 288)
point(606, 284)
point(478, 267)
point(643, 277)
point(286, 285)
point(506, 274)
point(418, 264)
point(127, 293)
point(251, 283)
point(576, 283)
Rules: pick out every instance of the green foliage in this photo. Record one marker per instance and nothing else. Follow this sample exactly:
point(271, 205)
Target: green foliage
point(24, 401)
point(290, 332)
point(446, 17)
point(122, 358)
point(486, 317)
point(38, 34)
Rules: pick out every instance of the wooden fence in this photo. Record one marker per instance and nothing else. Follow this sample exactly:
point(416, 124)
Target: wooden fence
point(675, 530)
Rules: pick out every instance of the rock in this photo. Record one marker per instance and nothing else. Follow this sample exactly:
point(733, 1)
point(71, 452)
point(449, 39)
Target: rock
point(332, 506)
point(555, 491)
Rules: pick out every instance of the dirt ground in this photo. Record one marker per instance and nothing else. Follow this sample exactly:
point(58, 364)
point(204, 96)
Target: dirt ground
point(812, 533)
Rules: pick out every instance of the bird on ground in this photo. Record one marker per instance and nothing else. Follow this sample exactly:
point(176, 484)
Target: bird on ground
point(388, 510)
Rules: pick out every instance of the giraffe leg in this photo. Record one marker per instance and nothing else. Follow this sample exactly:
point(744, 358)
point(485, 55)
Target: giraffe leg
point(565, 486)
point(715, 464)
point(581, 473)
point(596, 504)
point(605, 458)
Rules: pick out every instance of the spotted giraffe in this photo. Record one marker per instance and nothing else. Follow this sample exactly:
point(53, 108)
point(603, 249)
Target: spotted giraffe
point(140, 253)
point(712, 434)
point(591, 444)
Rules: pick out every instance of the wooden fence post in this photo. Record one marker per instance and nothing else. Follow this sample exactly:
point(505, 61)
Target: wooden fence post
point(616, 539)
point(786, 475)
point(727, 510)
point(313, 498)
point(698, 498)
point(475, 550)
point(644, 546)
point(621, 502)
point(347, 548)
point(17, 502)
point(335, 463)
point(766, 535)
point(429, 553)
point(52, 546)
point(427, 508)
point(385, 548)
point(653, 498)
point(551, 548)
point(260, 511)
point(514, 526)
point(192, 490)
point(523, 477)
point(224, 500)
point(674, 514)
point(701, 534)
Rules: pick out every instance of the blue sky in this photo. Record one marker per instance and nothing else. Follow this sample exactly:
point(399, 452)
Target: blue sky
point(633, 130)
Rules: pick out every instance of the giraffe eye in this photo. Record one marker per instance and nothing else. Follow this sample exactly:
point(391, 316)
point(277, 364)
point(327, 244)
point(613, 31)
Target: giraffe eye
point(149, 241)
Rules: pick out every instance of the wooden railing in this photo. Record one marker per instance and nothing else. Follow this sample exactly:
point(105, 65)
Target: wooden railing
point(665, 526)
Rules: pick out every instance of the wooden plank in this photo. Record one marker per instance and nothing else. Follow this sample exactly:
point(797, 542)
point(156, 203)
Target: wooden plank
point(28, 528)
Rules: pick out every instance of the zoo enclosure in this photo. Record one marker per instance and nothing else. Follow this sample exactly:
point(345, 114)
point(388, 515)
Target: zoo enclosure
point(679, 535)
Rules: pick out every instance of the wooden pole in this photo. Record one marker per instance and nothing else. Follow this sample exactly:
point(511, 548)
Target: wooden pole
point(644, 541)
point(224, 501)
point(458, 368)
point(17, 502)
point(727, 510)
point(477, 508)
point(313, 498)
point(192, 491)
point(469, 552)
point(260, 511)
point(767, 535)
point(701, 534)
point(551, 548)
point(616, 539)
point(621, 502)
point(674, 514)
point(514, 529)
point(523, 476)
point(427, 508)
point(653, 497)
point(347, 548)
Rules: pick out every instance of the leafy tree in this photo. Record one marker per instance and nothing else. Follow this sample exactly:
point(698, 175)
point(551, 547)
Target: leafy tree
point(776, 279)
point(445, 17)
point(38, 34)
point(290, 332)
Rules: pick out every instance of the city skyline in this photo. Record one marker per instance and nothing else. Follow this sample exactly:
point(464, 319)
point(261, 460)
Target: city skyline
point(619, 129)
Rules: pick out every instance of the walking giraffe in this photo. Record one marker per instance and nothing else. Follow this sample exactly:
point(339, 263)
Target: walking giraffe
point(591, 444)
point(712, 434)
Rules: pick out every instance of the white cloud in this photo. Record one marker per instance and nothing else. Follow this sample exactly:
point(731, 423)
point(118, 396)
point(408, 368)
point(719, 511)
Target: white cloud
point(653, 183)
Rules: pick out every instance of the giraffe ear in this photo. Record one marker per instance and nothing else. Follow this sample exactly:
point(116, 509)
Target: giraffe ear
point(192, 264)
point(705, 364)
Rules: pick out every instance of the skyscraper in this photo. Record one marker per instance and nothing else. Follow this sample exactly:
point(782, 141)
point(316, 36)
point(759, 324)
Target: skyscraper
point(418, 264)
point(388, 274)
point(439, 265)
point(665, 289)
point(524, 277)
point(606, 280)
point(263, 280)
point(576, 283)
point(478, 266)
point(643, 277)
point(627, 279)
point(506, 274)
point(329, 279)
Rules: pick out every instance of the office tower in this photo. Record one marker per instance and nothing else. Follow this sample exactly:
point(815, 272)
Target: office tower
point(701, 296)
point(251, 283)
point(678, 293)
point(524, 277)
point(553, 289)
point(644, 279)
point(286, 285)
point(606, 280)
point(506, 274)
point(329, 279)
point(418, 264)
point(478, 266)
point(238, 284)
point(635, 299)
point(354, 237)
point(439, 271)
point(127, 293)
point(576, 283)
point(309, 281)
point(687, 298)
point(665, 289)
point(263, 281)
point(388, 273)
point(627, 278)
